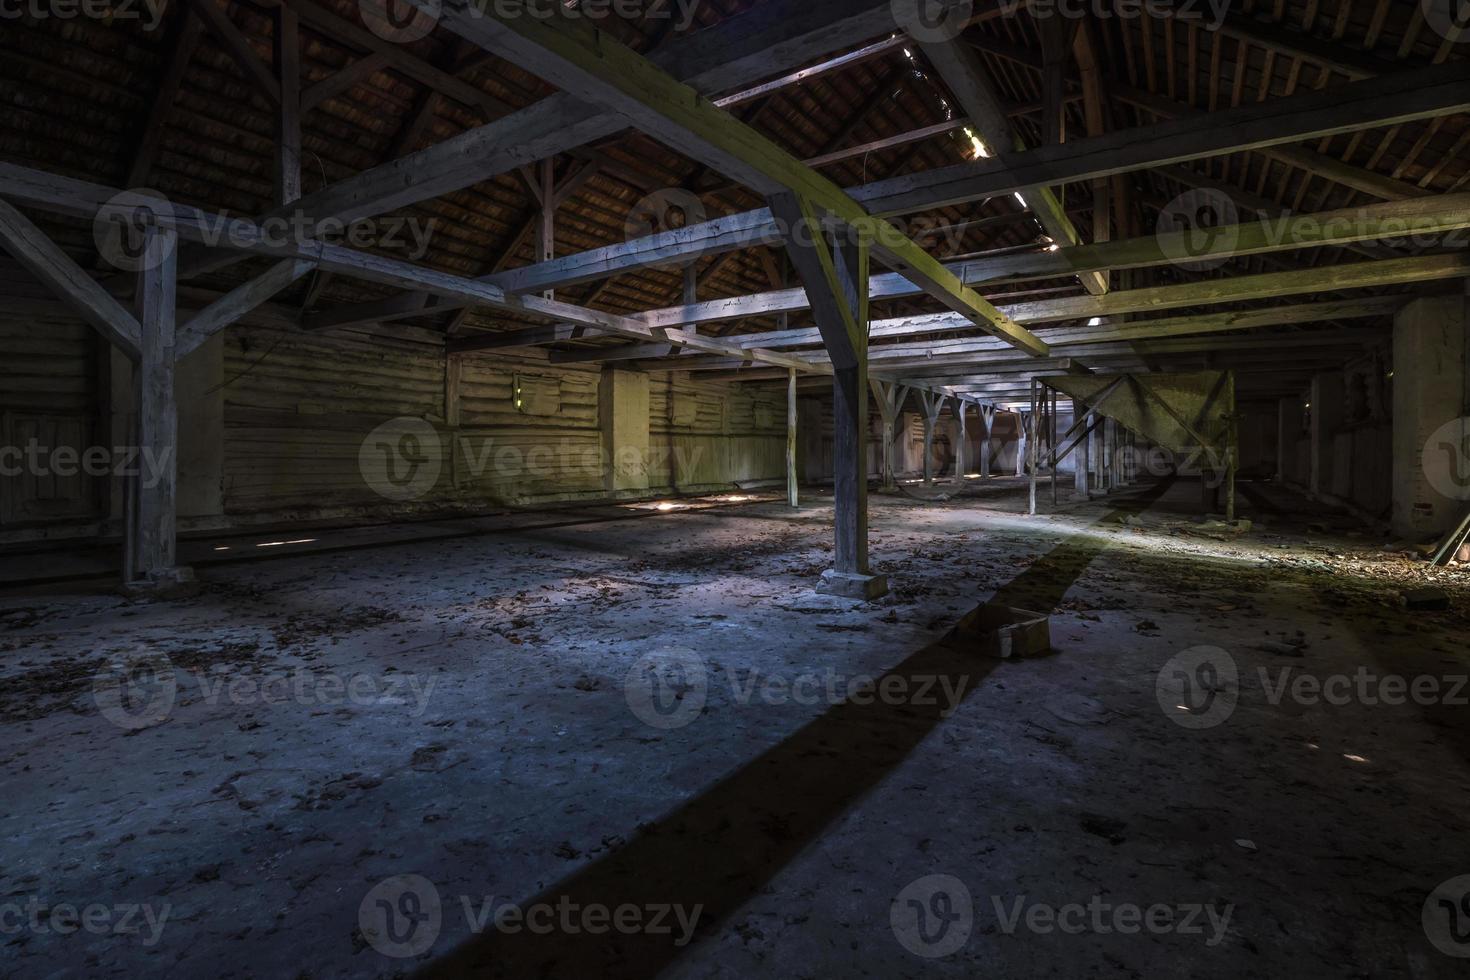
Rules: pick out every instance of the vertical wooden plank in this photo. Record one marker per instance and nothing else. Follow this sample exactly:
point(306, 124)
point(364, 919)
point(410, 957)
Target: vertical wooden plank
point(963, 442)
point(850, 408)
point(791, 489)
point(153, 551)
point(1032, 434)
point(288, 133)
point(546, 221)
point(1081, 461)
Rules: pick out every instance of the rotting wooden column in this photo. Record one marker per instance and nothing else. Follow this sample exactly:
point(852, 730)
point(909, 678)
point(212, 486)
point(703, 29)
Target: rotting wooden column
point(932, 403)
point(1082, 462)
point(890, 396)
point(152, 528)
point(1032, 435)
point(987, 419)
point(791, 487)
point(287, 45)
point(835, 275)
point(960, 442)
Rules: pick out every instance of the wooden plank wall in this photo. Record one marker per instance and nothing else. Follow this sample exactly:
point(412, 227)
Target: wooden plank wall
point(707, 436)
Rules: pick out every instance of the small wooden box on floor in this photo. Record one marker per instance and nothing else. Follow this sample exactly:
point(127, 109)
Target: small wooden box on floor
point(996, 630)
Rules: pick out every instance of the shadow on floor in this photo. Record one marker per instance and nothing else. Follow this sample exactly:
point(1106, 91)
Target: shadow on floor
point(718, 850)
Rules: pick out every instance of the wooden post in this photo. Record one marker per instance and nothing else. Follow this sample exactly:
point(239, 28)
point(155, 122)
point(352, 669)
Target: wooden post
point(834, 273)
point(961, 444)
point(933, 403)
point(288, 117)
point(453, 366)
point(850, 442)
point(791, 489)
point(1052, 441)
point(1232, 452)
point(987, 419)
point(1031, 438)
point(546, 221)
point(152, 549)
point(1082, 461)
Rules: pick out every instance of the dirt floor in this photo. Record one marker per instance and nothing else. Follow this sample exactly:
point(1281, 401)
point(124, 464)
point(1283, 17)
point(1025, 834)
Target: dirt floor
point(642, 743)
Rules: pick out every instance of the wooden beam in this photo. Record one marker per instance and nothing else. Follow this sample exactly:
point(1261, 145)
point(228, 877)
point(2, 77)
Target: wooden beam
point(237, 302)
point(29, 246)
point(1419, 219)
point(1398, 98)
point(238, 48)
point(342, 80)
point(190, 29)
point(1358, 106)
point(748, 47)
point(972, 86)
point(583, 61)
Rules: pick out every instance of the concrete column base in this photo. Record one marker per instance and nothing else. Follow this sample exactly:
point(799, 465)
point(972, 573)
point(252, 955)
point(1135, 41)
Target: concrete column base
point(851, 586)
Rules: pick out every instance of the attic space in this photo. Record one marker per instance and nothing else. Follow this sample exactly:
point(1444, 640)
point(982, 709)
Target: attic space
point(734, 488)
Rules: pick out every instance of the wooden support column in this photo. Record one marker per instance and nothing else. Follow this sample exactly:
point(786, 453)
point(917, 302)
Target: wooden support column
point(1082, 463)
point(791, 485)
point(151, 546)
point(288, 115)
point(835, 274)
point(1051, 438)
point(546, 222)
point(961, 443)
point(987, 419)
point(1232, 451)
point(1032, 437)
point(933, 403)
point(890, 397)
